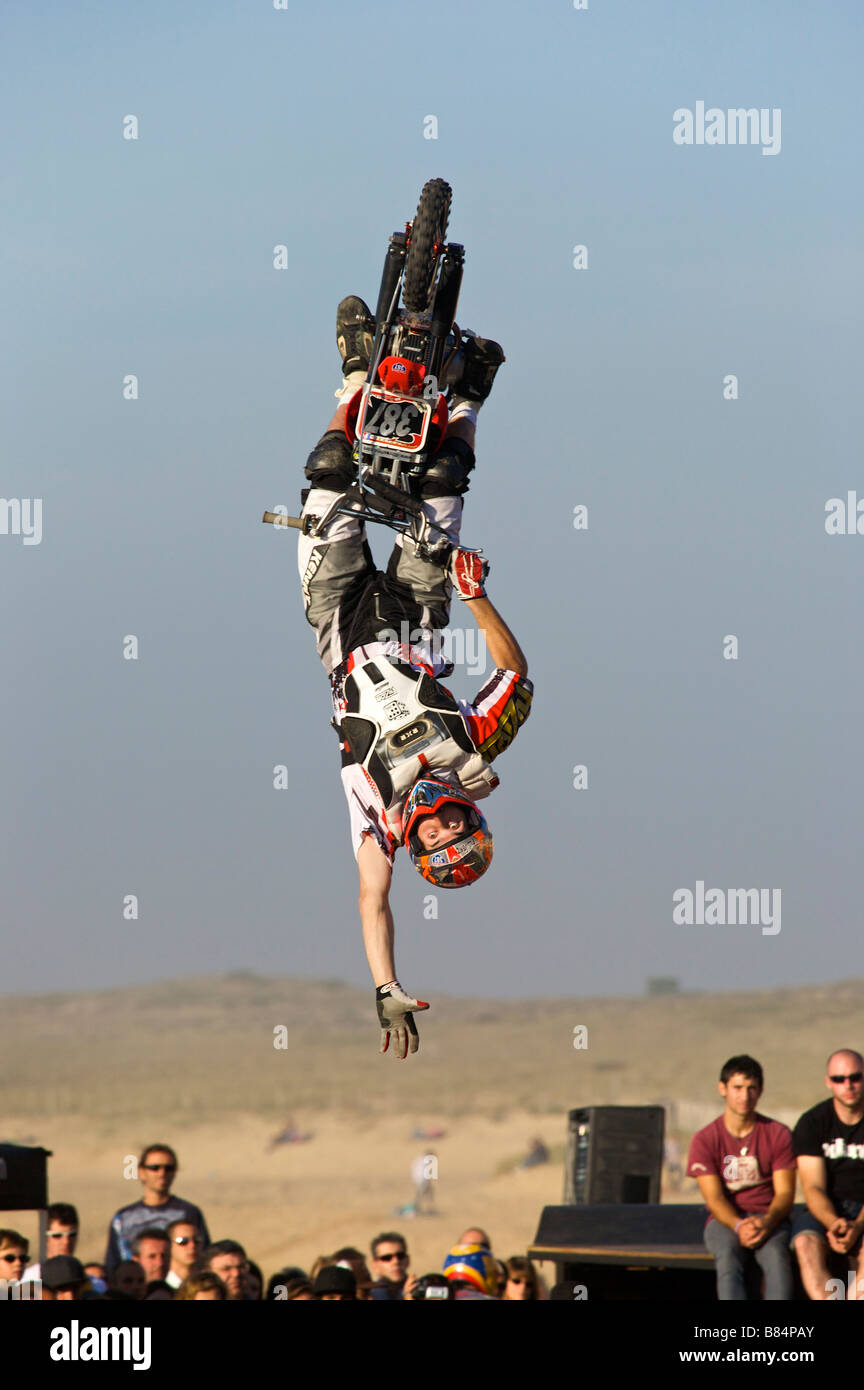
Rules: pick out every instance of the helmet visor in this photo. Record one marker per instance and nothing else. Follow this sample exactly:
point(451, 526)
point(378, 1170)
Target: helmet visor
point(469, 824)
point(429, 798)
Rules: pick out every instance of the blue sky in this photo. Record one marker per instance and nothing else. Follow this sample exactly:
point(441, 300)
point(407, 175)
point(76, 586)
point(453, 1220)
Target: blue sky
point(304, 127)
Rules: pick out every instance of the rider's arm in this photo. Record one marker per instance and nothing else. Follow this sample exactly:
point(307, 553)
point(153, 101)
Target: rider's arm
point(375, 915)
point(500, 642)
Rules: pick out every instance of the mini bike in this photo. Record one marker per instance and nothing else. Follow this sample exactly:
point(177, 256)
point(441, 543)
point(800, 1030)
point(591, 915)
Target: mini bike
point(398, 418)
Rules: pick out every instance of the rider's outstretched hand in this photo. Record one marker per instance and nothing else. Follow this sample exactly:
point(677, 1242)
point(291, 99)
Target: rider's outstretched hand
point(395, 1014)
point(467, 571)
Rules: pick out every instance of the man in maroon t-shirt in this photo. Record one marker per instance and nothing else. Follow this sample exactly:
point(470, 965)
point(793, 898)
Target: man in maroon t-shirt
point(745, 1166)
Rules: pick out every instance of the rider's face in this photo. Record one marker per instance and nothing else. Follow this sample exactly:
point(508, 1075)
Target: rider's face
point(450, 823)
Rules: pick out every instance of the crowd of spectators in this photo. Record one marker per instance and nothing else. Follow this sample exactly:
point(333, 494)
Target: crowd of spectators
point(159, 1248)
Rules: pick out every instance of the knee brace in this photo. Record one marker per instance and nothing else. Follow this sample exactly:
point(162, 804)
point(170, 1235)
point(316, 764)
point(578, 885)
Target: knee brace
point(331, 464)
point(447, 475)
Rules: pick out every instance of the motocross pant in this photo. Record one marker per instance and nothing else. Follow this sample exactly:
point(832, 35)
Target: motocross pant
point(346, 598)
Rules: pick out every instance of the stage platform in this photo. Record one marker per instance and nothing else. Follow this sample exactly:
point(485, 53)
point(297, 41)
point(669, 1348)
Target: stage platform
point(639, 1251)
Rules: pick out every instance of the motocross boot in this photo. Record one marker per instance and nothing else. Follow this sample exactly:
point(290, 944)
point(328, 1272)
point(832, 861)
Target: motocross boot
point(481, 358)
point(355, 330)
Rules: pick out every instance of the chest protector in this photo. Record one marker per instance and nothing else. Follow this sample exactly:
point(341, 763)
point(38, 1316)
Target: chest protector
point(397, 715)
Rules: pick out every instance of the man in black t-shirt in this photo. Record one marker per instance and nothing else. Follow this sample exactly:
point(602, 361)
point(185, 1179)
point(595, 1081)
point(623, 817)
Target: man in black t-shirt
point(829, 1144)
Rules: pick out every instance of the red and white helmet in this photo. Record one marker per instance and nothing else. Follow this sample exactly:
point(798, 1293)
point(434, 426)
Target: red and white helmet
point(459, 861)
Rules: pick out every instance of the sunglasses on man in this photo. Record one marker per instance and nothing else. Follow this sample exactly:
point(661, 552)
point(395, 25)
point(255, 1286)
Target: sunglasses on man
point(395, 1255)
point(854, 1076)
point(160, 1167)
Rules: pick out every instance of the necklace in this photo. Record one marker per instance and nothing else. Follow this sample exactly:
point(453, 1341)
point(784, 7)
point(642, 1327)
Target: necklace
point(744, 1149)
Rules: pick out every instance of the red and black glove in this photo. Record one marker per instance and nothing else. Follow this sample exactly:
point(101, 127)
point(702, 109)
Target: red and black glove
point(467, 570)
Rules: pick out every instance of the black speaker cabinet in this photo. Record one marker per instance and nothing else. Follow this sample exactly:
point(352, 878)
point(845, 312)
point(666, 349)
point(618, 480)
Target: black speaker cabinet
point(23, 1178)
point(614, 1154)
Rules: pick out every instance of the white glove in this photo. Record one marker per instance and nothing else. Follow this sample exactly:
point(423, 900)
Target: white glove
point(396, 1018)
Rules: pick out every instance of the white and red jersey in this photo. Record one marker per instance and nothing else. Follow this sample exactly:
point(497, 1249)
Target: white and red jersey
point(397, 723)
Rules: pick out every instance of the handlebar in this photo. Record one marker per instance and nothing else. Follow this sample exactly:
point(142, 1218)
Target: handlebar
point(279, 519)
point(412, 506)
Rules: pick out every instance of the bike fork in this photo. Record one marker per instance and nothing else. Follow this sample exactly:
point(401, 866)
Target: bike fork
point(385, 311)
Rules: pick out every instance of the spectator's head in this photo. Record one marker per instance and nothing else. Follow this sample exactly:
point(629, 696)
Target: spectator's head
point(14, 1254)
point(475, 1235)
point(522, 1282)
point(64, 1278)
point(186, 1246)
point(152, 1249)
point(351, 1258)
point(228, 1259)
point(333, 1284)
point(740, 1085)
point(298, 1291)
point(62, 1233)
point(844, 1077)
point(206, 1287)
point(129, 1278)
point(390, 1258)
point(157, 1168)
point(473, 1265)
point(158, 1289)
point(278, 1282)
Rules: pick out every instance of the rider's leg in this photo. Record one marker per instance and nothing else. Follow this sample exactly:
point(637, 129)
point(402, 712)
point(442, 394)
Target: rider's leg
point(338, 421)
point(335, 567)
point(418, 581)
point(408, 574)
point(448, 473)
point(444, 484)
point(417, 586)
point(463, 428)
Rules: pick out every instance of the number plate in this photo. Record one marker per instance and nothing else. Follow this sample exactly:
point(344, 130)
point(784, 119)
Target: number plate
point(396, 422)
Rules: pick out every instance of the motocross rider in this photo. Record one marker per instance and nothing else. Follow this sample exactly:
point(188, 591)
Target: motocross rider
point(415, 761)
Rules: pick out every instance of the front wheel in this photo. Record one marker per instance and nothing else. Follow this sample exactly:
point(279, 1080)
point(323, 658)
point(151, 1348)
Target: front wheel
point(428, 231)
